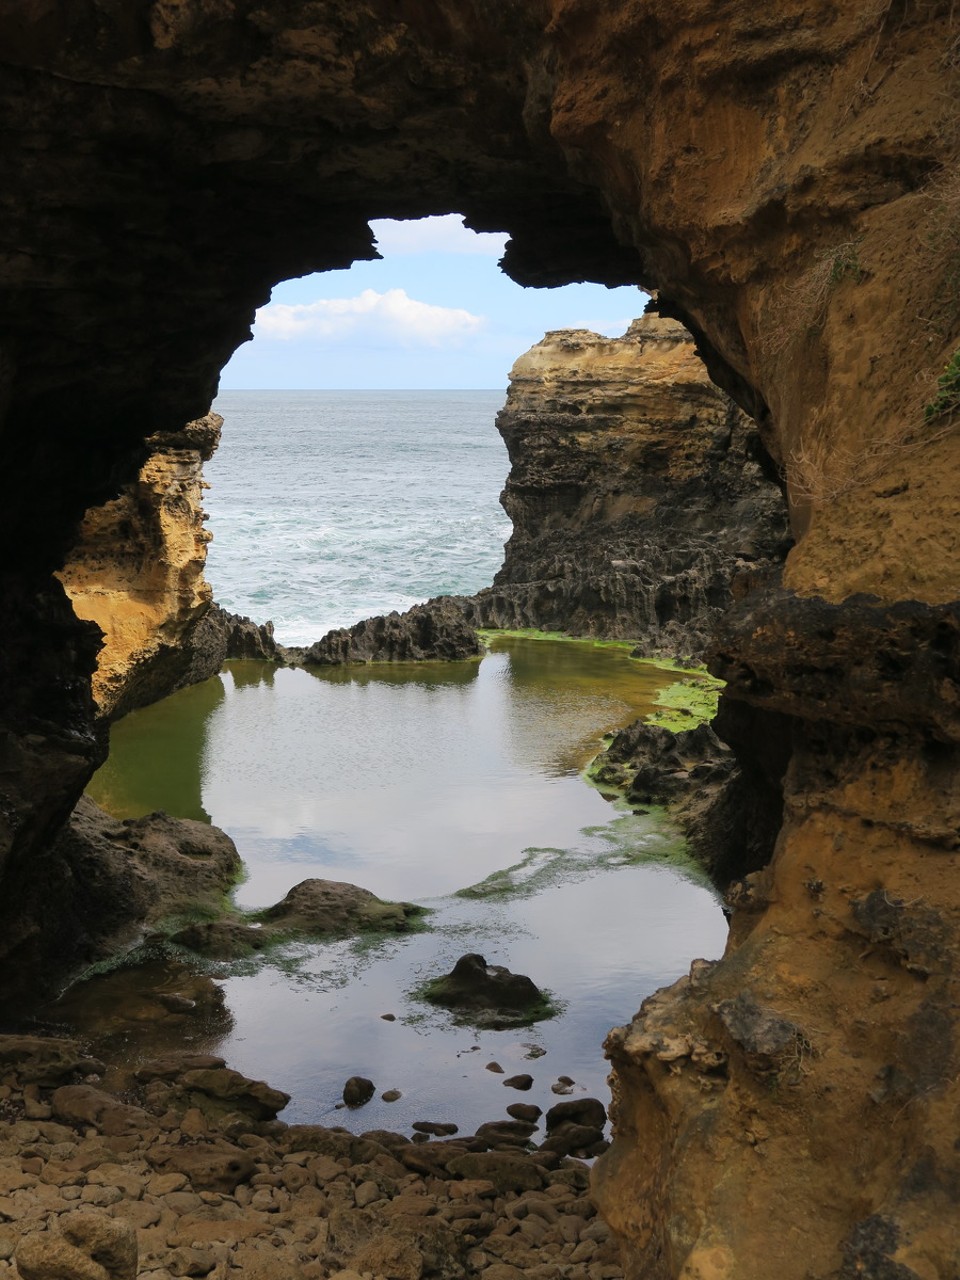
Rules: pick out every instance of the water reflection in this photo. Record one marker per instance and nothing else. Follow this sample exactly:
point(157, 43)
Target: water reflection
point(417, 782)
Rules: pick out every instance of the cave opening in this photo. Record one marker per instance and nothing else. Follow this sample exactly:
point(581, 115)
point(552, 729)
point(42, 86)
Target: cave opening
point(535, 712)
point(400, 366)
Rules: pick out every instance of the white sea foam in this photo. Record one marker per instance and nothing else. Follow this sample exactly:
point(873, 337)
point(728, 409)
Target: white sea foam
point(330, 506)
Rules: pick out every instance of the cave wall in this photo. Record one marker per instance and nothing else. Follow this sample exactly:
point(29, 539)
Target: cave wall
point(786, 177)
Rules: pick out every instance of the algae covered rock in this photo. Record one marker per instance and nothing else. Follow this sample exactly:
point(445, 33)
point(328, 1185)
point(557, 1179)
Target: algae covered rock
point(317, 907)
point(490, 992)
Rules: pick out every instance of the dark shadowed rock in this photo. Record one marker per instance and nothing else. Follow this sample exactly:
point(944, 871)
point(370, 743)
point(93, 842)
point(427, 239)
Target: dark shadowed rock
point(358, 1090)
point(522, 1082)
point(435, 630)
point(585, 1111)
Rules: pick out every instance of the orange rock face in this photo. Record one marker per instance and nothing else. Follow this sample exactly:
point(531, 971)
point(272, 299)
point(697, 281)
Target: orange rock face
point(786, 177)
point(136, 570)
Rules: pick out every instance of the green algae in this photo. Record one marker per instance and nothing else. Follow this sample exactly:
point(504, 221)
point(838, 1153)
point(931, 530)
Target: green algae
point(630, 840)
point(687, 703)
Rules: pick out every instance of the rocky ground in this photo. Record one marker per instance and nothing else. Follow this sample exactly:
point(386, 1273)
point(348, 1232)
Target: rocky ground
point(187, 1172)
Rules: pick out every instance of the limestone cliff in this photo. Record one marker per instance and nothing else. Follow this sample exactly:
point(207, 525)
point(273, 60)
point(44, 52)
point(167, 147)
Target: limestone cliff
point(786, 177)
point(635, 491)
point(136, 570)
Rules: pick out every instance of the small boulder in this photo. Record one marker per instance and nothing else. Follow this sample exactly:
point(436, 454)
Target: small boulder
point(358, 1090)
point(522, 1082)
point(585, 1111)
point(475, 985)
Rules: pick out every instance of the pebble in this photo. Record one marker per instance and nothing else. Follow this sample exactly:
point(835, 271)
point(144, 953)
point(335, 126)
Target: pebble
point(303, 1202)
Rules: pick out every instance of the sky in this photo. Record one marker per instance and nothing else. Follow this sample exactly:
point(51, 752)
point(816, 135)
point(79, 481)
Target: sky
point(437, 312)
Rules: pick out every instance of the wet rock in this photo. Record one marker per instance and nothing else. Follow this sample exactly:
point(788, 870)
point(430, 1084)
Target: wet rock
point(172, 1065)
point(528, 1111)
point(357, 1091)
point(506, 1172)
point(570, 1138)
point(391, 1095)
point(233, 636)
point(497, 1133)
point(45, 1060)
point(473, 984)
point(522, 1082)
point(583, 1111)
point(230, 1091)
point(434, 1127)
point(222, 939)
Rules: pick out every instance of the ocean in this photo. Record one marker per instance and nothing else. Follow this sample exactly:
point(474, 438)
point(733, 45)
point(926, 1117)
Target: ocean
point(327, 507)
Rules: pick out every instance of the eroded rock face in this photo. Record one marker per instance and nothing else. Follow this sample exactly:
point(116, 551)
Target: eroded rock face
point(436, 630)
point(786, 178)
point(114, 879)
point(636, 491)
point(136, 570)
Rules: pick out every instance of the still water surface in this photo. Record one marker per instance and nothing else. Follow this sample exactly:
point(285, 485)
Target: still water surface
point(457, 786)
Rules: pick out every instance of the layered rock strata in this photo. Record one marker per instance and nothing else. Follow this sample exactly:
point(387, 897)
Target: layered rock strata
point(136, 571)
point(636, 491)
point(786, 178)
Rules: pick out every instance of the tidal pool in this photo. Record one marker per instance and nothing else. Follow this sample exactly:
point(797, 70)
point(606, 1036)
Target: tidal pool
point(457, 786)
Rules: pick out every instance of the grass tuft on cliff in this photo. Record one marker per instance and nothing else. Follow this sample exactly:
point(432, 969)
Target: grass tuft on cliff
point(947, 399)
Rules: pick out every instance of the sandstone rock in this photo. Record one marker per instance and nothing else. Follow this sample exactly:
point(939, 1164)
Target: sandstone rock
point(506, 1172)
point(790, 187)
point(45, 1060)
point(219, 1167)
point(86, 1246)
point(84, 1104)
point(634, 491)
point(235, 1092)
point(136, 570)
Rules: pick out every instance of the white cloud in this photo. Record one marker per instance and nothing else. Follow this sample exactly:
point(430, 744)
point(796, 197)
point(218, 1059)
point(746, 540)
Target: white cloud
point(445, 234)
point(390, 317)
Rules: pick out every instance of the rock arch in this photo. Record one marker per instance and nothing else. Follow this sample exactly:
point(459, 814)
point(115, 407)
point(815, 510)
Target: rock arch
point(786, 177)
